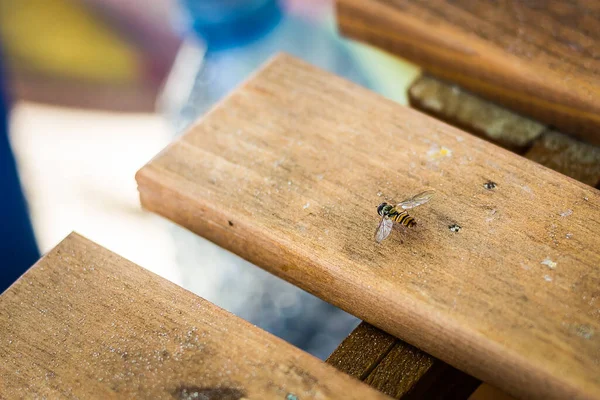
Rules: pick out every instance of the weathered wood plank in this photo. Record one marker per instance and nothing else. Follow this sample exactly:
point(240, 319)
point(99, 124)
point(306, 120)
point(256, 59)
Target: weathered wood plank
point(397, 368)
point(464, 110)
point(400, 370)
point(537, 58)
point(362, 351)
point(568, 156)
point(552, 149)
point(288, 171)
point(85, 323)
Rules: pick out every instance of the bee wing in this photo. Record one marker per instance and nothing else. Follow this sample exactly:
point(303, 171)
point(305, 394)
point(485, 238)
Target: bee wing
point(416, 200)
point(384, 229)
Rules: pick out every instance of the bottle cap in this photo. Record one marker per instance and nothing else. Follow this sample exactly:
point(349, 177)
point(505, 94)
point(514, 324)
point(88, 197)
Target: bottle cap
point(229, 23)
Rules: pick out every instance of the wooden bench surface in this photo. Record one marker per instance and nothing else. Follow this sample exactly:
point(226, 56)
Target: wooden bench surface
point(288, 171)
point(85, 323)
point(540, 58)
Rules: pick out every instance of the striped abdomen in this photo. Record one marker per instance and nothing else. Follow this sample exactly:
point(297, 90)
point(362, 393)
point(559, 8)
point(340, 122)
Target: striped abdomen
point(402, 218)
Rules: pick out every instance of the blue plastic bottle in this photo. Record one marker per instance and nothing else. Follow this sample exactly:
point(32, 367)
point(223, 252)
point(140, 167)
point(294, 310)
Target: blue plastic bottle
point(229, 40)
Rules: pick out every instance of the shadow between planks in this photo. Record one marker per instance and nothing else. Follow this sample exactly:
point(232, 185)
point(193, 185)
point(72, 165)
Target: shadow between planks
point(288, 171)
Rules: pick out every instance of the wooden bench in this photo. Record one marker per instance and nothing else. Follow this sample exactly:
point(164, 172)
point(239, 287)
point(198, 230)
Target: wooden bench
point(497, 280)
point(507, 294)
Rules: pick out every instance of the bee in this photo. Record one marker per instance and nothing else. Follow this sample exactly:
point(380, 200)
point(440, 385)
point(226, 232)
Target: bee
point(390, 214)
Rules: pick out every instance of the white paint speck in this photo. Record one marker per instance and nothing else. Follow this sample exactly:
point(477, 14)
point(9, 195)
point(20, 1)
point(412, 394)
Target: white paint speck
point(526, 188)
point(547, 278)
point(320, 177)
point(379, 194)
point(289, 183)
point(585, 331)
point(549, 263)
point(569, 235)
point(306, 206)
point(566, 213)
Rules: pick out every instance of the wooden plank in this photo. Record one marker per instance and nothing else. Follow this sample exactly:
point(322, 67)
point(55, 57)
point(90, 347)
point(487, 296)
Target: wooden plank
point(362, 351)
point(568, 156)
point(552, 149)
point(408, 373)
point(497, 280)
point(454, 105)
point(397, 368)
point(85, 323)
point(537, 58)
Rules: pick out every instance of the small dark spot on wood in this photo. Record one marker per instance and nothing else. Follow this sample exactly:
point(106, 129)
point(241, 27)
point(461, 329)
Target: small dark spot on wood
point(198, 393)
point(230, 223)
point(489, 185)
point(454, 227)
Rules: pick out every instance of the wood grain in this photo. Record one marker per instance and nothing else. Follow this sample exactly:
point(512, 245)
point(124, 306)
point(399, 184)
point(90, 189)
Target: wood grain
point(397, 368)
point(362, 351)
point(408, 373)
point(85, 323)
point(539, 58)
point(288, 171)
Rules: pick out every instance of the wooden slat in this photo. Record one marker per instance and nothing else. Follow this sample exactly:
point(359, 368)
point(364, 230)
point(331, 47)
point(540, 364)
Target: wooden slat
point(85, 323)
point(288, 171)
point(397, 368)
point(568, 156)
point(552, 149)
point(462, 109)
point(538, 58)
point(362, 351)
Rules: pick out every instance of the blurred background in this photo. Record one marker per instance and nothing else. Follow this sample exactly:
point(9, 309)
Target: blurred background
point(92, 89)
